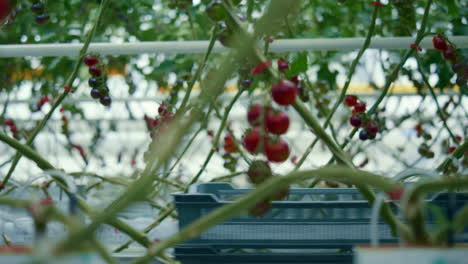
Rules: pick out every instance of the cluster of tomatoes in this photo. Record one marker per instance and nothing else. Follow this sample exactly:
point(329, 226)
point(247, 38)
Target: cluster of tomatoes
point(158, 123)
point(230, 146)
point(360, 119)
point(98, 80)
point(39, 8)
point(459, 65)
point(264, 136)
point(12, 126)
point(268, 124)
point(424, 149)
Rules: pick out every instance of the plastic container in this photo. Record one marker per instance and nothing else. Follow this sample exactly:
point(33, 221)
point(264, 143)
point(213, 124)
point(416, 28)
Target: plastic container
point(309, 218)
point(391, 255)
point(193, 255)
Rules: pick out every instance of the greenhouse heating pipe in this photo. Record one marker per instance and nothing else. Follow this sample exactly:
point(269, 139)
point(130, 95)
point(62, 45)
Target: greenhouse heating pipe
point(192, 47)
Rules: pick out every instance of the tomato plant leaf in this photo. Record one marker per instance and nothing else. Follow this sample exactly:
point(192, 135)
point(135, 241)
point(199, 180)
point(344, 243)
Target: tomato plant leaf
point(299, 65)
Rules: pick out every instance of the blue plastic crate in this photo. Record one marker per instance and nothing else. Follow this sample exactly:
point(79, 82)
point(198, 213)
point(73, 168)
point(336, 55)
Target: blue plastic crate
point(194, 255)
point(309, 218)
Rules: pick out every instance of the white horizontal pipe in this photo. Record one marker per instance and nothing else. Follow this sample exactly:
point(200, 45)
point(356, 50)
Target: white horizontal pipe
point(191, 47)
point(156, 99)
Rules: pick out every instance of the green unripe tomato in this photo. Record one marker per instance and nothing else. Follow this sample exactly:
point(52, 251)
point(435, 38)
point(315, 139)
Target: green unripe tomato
point(216, 11)
point(259, 171)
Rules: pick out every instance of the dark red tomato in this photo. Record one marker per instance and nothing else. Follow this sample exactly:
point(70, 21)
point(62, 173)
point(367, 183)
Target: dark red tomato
point(9, 122)
point(355, 121)
point(90, 60)
point(277, 122)
point(95, 70)
point(255, 113)
point(439, 43)
point(284, 93)
point(251, 140)
point(360, 107)
point(350, 100)
point(277, 151)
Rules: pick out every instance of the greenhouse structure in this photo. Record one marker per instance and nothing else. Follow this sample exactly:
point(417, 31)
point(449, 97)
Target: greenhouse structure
point(234, 131)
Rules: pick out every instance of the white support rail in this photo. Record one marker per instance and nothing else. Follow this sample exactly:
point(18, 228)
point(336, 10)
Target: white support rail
point(159, 99)
point(192, 47)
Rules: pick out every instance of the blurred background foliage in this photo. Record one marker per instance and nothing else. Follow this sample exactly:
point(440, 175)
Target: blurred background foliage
point(156, 20)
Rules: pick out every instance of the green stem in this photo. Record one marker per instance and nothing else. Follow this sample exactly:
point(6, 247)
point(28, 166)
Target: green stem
point(349, 77)
point(192, 27)
point(459, 222)
point(229, 176)
point(105, 179)
point(461, 219)
point(5, 107)
point(412, 204)
point(216, 139)
point(72, 223)
point(170, 209)
point(202, 127)
point(27, 152)
point(115, 222)
point(250, 8)
point(168, 182)
point(318, 130)
point(15, 203)
point(200, 69)
point(354, 64)
point(442, 116)
point(102, 251)
point(5, 193)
